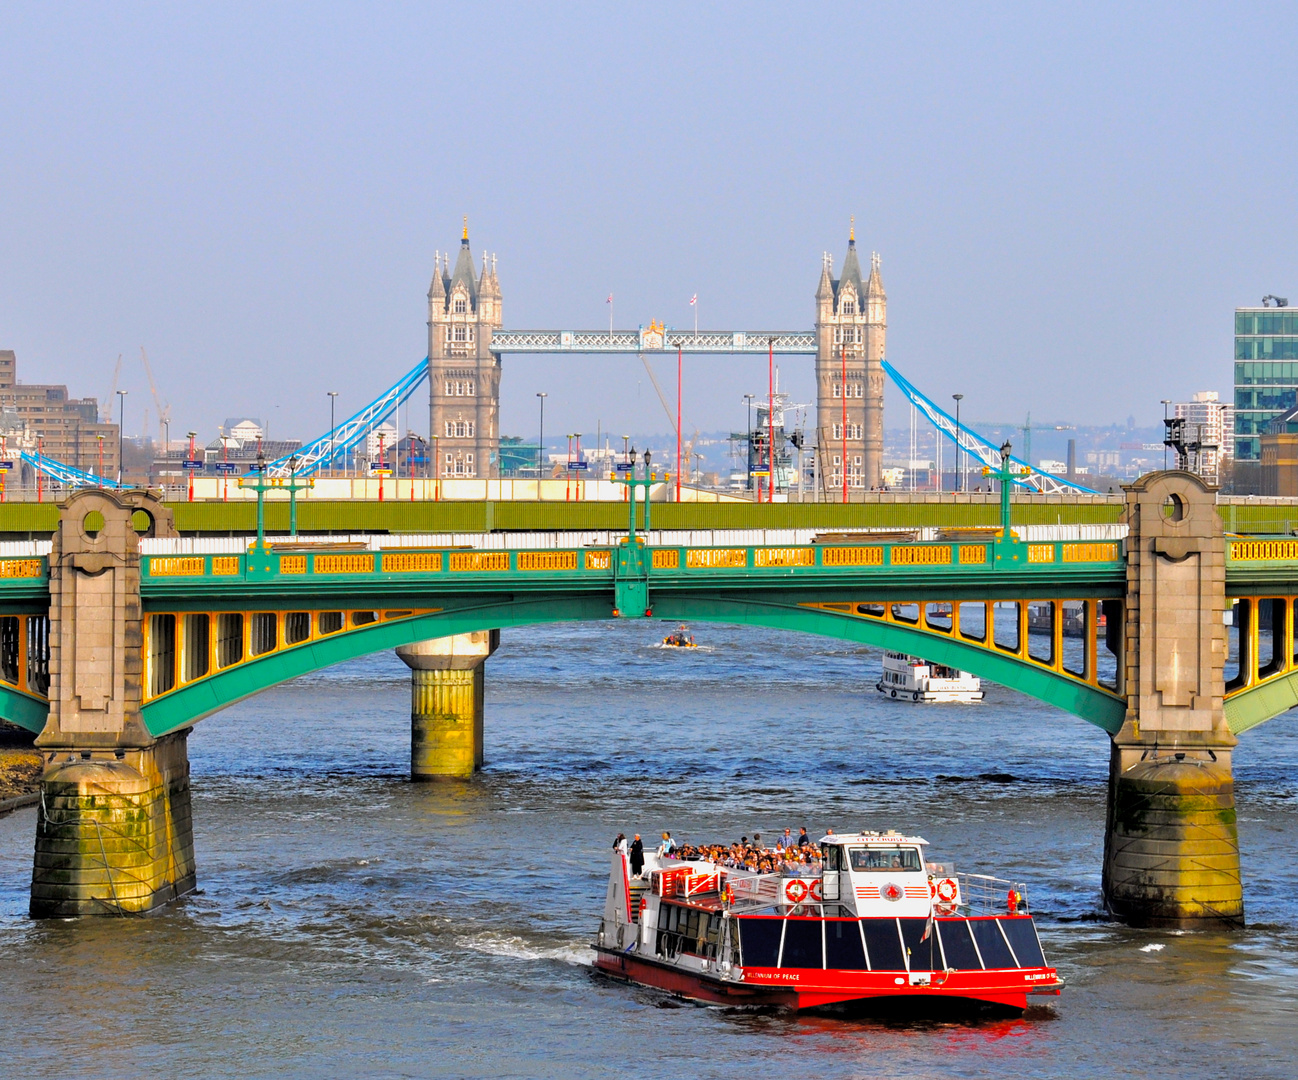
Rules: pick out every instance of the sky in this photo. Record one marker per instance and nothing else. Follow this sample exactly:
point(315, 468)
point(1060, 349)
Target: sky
point(1068, 201)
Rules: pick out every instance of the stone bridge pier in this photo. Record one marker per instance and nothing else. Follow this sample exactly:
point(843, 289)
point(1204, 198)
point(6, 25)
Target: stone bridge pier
point(446, 691)
point(113, 827)
point(1171, 847)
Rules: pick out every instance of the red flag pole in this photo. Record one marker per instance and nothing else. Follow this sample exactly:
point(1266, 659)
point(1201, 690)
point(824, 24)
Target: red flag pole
point(770, 420)
point(678, 421)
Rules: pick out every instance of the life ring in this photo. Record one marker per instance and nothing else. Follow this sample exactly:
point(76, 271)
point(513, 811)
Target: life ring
point(947, 890)
point(795, 891)
point(729, 894)
point(815, 892)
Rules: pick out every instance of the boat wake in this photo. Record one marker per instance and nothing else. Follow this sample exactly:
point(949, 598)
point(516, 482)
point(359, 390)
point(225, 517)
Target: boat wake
point(511, 945)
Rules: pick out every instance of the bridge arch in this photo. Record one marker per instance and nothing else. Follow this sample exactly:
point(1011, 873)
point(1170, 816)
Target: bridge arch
point(193, 701)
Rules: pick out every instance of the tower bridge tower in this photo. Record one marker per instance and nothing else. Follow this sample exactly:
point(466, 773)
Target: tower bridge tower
point(463, 373)
point(851, 324)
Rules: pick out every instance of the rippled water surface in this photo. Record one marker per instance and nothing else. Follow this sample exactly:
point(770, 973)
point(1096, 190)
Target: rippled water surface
point(353, 924)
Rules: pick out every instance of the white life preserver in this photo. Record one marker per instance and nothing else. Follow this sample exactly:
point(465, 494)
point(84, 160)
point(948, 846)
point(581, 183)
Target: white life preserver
point(815, 892)
point(947, 890)
point(795, 891)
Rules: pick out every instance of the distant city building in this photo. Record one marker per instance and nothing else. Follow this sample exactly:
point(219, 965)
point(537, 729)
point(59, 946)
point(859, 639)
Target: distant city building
point(1209, 421)
point(1279, 456)
point(1266, 373)
point(244, 429)
point(42, 417)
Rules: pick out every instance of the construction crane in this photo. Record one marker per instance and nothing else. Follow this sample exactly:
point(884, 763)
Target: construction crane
point(1025, 429)
point(107, 411)
point(164, 410)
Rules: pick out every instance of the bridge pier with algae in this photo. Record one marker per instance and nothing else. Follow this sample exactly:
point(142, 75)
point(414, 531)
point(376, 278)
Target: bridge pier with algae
point(1171, 852)
point(446, 699)
point(114, 834)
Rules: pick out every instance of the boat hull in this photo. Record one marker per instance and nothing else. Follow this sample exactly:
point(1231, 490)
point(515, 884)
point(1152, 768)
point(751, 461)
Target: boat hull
point(822, 989)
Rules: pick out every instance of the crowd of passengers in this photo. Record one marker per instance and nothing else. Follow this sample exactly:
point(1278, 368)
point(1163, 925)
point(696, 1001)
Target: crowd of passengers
point(792, 856)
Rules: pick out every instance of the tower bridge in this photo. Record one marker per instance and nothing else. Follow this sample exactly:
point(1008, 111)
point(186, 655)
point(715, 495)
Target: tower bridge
point(467, 339)
point(123, 635)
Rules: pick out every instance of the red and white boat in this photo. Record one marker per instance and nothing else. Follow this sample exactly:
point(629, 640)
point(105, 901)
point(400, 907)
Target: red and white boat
point(869, 922)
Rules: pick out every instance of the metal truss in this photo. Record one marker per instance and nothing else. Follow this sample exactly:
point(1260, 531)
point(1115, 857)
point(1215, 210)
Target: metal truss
point(655, 338)
point(976, 446)
point(66, 474)
point(334, 444)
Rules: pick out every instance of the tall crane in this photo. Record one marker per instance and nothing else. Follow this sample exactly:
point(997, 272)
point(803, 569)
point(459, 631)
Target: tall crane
point(107, 409)
point(164, 409)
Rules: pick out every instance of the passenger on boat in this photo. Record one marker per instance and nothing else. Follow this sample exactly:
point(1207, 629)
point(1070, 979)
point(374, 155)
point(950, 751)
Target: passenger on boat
point(668, 846)
point(637, 857)
point(620, 843)
point(785, 842)
point(803, 839)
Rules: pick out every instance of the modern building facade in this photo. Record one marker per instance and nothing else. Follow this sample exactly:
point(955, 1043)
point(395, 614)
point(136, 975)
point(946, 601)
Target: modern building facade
point(44, 419)
point(1209, 421)
point(851, 325)
point(1266, 373)
point(463, 374)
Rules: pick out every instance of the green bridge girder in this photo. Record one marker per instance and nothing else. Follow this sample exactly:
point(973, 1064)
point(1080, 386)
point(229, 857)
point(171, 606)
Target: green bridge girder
point(200, 699)
point(754, 594)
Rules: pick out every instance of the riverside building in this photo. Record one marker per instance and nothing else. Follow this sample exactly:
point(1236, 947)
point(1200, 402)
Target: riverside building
point(1266, 373)
point(45, 419)
point(1211, 422)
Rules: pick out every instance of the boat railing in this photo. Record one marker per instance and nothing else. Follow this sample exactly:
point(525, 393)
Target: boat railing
point(986, 895)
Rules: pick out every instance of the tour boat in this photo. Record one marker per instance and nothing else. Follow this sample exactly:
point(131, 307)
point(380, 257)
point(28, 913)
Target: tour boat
point(680, 638)
point(912, 679)
point(867, 923)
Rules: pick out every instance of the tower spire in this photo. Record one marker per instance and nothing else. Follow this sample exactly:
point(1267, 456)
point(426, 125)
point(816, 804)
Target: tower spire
point(851, 233)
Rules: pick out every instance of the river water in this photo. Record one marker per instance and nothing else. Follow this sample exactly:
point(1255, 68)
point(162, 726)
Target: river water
point(353, 924)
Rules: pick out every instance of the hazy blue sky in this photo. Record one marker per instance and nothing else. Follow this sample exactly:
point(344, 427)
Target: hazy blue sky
point(1068, 203)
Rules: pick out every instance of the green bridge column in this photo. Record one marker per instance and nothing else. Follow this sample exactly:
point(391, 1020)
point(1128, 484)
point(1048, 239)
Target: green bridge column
point(1171, 853)
point(446, 693)
point(113, 830)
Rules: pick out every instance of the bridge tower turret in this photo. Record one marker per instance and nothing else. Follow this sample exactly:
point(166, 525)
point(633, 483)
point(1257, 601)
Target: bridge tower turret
point(851, 322)
point(463, 373)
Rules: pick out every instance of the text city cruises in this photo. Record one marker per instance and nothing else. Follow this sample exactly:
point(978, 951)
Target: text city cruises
point(908, 678)
point(874, 925)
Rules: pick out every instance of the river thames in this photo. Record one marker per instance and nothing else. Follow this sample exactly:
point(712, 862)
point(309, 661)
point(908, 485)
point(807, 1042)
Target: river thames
point(351, 923)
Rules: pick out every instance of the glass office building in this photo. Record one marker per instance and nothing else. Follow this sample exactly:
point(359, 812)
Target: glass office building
point(1266, 372)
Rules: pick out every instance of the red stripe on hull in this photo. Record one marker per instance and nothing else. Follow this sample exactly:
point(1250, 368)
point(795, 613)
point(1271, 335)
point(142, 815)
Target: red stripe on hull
point(794, 988)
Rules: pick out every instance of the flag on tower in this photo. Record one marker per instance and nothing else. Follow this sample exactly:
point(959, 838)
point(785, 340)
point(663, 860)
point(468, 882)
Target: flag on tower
point(694, 299)
point(610, 299)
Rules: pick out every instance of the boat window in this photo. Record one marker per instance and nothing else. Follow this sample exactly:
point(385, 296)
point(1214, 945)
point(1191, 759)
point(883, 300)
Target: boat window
point(891, 858)
point(923, 955)
point(995, 953)
point(957, 945)
point(843, 948)
point(802, 944)
point(1023, 940)
point(883, 944)
point(759, 941)
point(830, 853)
